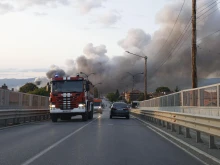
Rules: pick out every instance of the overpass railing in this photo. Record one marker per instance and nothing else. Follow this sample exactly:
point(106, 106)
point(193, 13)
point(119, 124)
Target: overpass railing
point(17, 107)
point(17, 100)
point(202, 101)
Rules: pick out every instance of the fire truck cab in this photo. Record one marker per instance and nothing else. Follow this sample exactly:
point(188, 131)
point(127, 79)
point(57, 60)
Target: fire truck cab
point(70, 96)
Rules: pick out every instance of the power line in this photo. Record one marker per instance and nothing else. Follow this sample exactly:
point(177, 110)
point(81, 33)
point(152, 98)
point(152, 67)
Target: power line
point(207, 6)
point(200, 39)
point(208, 10)
point(208, 15)
point(172, 29)
point(178, 43)
point(175, 46)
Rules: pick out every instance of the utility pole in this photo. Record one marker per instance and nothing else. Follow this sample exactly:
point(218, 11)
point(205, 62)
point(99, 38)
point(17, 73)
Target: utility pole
point(194, 45)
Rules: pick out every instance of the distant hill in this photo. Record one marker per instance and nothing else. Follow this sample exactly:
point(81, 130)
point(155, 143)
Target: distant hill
point(14, 83)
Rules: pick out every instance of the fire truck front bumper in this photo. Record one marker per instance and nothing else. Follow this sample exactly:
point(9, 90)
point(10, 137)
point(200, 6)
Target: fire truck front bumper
point(74, 110)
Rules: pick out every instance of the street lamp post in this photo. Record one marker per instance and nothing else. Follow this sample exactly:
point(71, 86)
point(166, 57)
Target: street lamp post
point(145, 72)
point(133, 75)
point(87, 75)
point(97, 88)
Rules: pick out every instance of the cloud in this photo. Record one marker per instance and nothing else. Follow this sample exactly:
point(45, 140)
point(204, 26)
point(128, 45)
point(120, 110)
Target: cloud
point(109, 18)
point(23, 4)
point(135, 38)
point(86, 6)
point(5, 8)
point(40, 14)
point(19, 5)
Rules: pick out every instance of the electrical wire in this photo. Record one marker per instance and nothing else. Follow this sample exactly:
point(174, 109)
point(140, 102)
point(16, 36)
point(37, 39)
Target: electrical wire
point(175, 46)
point(208, 10)
point(199, 11)
point(172, 29)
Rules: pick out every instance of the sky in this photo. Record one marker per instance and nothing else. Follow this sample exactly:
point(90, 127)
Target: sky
point(42, 38)
point(36, 34)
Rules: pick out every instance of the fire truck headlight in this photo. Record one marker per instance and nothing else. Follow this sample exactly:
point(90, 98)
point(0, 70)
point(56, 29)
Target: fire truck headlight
point(82, 106)
point(52, 106)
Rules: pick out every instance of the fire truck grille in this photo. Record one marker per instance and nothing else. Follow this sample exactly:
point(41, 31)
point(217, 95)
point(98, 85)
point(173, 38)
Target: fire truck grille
point(66, 103)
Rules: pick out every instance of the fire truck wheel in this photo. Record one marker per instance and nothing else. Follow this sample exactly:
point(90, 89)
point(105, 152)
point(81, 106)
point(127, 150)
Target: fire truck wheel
point(91, 114)
point(85, 116)
point(54, 118)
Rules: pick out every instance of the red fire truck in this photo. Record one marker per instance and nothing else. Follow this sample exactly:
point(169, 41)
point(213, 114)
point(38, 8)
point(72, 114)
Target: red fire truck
point(70, 96)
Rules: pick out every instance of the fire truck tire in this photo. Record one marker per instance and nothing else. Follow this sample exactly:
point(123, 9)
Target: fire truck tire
point(85, 116)
point(91, 114)
point(54, 118)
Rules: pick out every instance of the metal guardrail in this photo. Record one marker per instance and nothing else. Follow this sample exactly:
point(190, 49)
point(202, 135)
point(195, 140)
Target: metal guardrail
point(205, 124)
point(21, 116)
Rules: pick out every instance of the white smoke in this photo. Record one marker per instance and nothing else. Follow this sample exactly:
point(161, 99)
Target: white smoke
point(41, 81)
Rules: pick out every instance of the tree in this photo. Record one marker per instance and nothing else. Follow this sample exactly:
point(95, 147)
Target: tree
point(28, 87)
point(96, 93)
point(141, 97)
point(117, 94)
point(177, 89)
point(40, 91)
point(111, 97)
point(162, 89)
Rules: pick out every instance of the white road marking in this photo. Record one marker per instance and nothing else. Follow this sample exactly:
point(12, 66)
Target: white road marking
point(184, 143)
point(55, 144)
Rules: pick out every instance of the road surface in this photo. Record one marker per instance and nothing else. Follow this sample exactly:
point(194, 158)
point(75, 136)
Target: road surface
point(102, 141)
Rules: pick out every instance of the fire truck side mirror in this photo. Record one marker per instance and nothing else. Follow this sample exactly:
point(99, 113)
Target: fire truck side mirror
point(48, 87)
point(87, 86)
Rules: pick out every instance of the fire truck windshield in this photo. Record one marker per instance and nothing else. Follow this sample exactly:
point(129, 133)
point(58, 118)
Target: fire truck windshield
point(67, 86)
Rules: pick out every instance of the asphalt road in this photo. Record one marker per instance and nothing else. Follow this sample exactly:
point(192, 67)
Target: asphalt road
point(102, 141)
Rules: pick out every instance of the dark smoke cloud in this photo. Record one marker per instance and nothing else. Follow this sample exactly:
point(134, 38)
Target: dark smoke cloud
point(176, 71)
point(55, 70)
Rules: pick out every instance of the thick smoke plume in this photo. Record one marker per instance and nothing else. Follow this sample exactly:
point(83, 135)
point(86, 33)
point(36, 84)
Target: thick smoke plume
point(176, 71)
point(41, 81)
point(55, 70)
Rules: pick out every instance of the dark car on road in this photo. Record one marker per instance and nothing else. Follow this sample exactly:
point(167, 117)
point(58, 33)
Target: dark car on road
point(119, 109)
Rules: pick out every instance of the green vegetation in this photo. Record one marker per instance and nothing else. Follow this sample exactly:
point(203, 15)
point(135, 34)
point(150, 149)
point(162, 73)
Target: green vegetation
point(141, 97)
point(33, 89)
point(96, 93)
point(113, 96)
point(28, 87)
point(40, 91)
point(177, 89)
point(162, 89)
